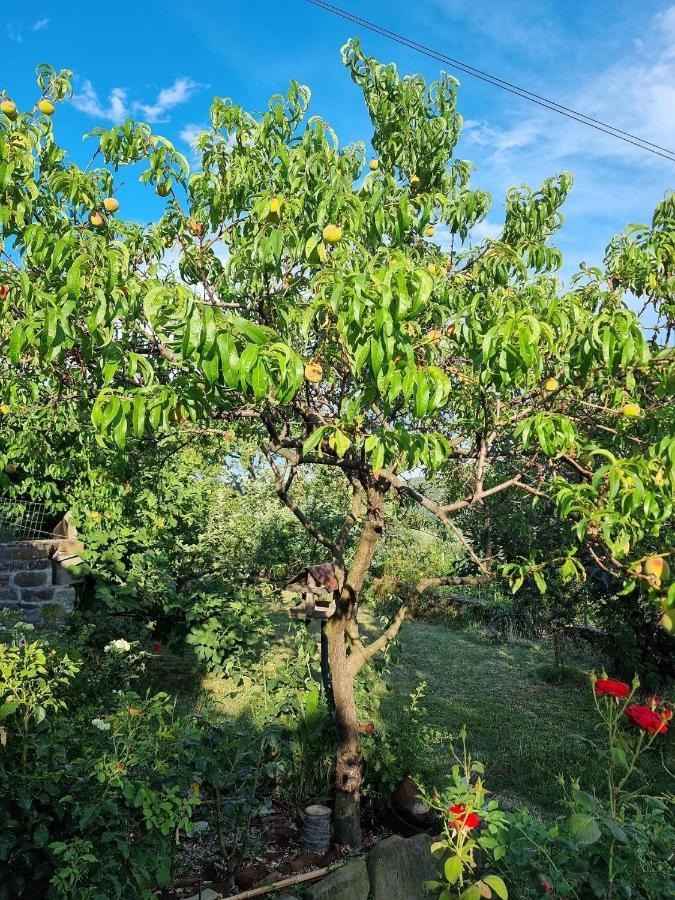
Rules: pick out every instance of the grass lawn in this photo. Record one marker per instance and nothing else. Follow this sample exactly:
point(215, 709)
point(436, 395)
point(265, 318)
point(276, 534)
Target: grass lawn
point(519, 725)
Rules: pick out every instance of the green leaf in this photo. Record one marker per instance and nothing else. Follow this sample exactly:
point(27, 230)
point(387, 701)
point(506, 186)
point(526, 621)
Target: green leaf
point(313, 440)
point(453, 869)
point(138, 416)
point(497, 885)
point(342, 443)
point(583, 828)
point(41, 835)
point(617, 831)
point(8, 708)
point(619, 757)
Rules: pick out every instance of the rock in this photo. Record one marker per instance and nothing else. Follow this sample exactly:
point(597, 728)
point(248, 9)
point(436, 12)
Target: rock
point(350, 882)
point(410, 810)
point(397, 867)
point(206, 894)
point(249, 876)
point(197, 828)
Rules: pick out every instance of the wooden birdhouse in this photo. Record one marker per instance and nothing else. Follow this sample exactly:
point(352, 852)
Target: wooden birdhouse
point(317, 585)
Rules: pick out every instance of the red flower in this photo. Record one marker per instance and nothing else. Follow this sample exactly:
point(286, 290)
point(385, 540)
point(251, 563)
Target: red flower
point(121, 767)
point(462, 818)
point(157, 648)
point(648, 719)
point(611, 688)
point(546, 884)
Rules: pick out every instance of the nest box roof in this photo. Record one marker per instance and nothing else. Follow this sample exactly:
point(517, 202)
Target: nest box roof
point(315, 579)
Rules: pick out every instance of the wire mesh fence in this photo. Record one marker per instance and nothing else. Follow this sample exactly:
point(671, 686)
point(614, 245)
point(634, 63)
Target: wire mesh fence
point(22, 520)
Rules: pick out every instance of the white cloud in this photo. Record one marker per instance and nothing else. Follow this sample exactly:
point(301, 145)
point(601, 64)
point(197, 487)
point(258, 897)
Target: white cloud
point(13, 34)
point(40, 25)
point(179, 92)
point(87, 101)
point(486, 230)
point(636, 94)
point(190, 132)
point(118, 107)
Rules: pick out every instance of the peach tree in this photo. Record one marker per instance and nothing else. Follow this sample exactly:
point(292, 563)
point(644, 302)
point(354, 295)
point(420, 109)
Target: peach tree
point(336, 310)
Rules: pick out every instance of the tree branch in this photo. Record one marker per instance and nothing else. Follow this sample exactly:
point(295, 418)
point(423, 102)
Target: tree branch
point(283, 486)
point(361, 654)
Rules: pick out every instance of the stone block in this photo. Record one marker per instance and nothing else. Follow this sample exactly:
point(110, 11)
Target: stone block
point(350, 882)
point(206, 894)
point(65, 548)
point(15, 550)
point(8, 596)
point(398, 867)
point(30, 612)
point(43, 594)
point(65, 596)
point(37, 578)
point(54, 613)
point(66, 570)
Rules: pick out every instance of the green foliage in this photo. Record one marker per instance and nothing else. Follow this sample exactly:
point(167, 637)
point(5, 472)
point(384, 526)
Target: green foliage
point(81, 770)
point(461, 852)
point(224, 632)
point(405, 749)
point(420, 347)
point(611, 840)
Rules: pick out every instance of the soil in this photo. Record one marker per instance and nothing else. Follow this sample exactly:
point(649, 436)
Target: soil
point(279, 854)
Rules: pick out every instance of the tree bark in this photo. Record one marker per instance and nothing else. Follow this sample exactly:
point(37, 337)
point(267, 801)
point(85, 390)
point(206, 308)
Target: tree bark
point(349, 762)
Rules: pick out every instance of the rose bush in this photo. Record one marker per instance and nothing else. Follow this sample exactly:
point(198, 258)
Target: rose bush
point(616, 839)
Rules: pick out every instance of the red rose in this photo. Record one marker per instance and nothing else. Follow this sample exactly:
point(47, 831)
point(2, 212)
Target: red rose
point(611, 688)
point(157, 648)
point(648, 719)
point(546, 884)
point(462, 818)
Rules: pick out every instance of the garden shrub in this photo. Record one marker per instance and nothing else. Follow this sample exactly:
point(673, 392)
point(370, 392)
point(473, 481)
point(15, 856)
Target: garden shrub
point(96, 786)
point(615, 839)
point(226, 629)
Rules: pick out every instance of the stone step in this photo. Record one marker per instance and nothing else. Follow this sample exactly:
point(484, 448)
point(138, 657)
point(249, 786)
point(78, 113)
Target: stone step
point(38, 549)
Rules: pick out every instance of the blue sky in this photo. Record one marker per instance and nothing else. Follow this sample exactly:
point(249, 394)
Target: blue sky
point(164, 62)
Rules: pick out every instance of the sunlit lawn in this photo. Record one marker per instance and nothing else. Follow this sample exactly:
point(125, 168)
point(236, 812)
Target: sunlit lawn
point(519, 725)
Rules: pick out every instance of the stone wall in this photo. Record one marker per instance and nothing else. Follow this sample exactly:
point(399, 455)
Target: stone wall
point(38, 578)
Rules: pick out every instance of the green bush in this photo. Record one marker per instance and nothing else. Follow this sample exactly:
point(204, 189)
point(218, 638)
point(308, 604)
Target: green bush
point(96, 787)
point(615, 839)
point(226, 631)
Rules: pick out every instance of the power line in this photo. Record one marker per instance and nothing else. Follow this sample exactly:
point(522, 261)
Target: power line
point(551, 105)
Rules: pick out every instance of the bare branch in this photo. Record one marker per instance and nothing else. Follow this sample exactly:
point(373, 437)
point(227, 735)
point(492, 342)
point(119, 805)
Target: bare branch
point(361, 654)
point(284, 480)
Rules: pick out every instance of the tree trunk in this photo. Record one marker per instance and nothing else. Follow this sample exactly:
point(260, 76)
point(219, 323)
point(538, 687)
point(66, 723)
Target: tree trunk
point(349, 762)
